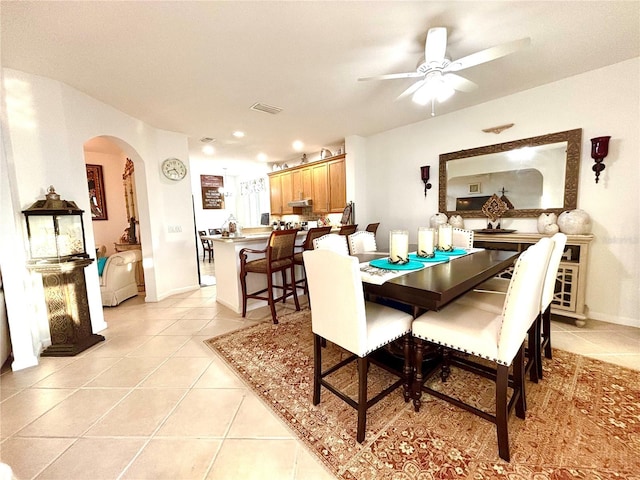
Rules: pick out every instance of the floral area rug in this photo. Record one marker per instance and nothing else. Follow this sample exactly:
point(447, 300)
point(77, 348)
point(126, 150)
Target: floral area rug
point(583, 418)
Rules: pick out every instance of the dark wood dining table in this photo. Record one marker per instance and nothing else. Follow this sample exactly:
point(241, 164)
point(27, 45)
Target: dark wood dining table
point(431, 288)
point(434, 286)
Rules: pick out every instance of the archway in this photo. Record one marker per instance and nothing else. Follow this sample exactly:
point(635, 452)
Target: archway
point(115, 199)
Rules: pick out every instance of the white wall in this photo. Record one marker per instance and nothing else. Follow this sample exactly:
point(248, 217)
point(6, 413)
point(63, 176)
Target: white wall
point(235, 204)
point(601, 102)
point(47, 126)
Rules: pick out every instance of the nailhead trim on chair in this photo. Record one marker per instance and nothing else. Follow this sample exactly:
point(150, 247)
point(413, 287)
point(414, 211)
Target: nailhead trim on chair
point(453, 347)
point(386, 343)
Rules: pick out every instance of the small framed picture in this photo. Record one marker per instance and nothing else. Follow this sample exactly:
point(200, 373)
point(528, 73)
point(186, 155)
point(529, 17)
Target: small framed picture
point(475, 188)
point(95, 184)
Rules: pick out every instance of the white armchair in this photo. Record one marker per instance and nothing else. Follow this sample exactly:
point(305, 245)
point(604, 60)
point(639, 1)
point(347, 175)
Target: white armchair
point(118, 279)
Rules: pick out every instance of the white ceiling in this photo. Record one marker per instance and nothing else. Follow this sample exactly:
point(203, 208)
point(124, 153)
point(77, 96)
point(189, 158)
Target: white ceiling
point(197, 67)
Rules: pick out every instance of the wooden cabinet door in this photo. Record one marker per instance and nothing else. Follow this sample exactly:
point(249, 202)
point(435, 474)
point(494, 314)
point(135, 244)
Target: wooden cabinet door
point(320, 181)
point(286, 180)
point(337, 186)
point(307, 183)
point(302, 184)
point(275, 187)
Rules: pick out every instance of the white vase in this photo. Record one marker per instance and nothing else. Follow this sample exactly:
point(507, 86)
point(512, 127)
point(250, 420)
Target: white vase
point(456, 221)
point(437, 219)
point(547, 223)
point(574, 222)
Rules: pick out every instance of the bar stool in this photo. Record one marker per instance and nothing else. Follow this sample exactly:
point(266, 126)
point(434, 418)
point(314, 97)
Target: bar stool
point(312, 234)
point(278, 258)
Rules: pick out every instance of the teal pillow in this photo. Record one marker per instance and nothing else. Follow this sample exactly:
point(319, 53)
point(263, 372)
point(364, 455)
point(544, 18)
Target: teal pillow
point(101, 262)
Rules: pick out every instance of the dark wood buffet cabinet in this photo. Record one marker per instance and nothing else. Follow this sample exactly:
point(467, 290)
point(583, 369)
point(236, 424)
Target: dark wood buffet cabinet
point(324, 182)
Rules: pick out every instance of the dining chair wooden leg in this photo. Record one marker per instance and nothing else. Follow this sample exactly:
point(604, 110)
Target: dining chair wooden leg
point(546, 332)
point(363, 367)
point(502, 411)
point(533, 350)
point(519, 383)
point(317, 367)
point(407, 369)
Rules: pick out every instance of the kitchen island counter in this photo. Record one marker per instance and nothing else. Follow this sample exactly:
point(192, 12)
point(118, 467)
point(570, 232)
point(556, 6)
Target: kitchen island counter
point(226, 254)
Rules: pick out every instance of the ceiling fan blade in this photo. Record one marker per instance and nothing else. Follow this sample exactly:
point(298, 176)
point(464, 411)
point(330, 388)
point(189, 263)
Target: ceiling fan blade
point(487, 55)
point(392, 76)
point(436, 45)
point(459, 83)
point(411, 89)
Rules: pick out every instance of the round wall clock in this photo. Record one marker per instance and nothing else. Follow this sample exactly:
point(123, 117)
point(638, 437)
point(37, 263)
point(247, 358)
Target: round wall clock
point(174, 169)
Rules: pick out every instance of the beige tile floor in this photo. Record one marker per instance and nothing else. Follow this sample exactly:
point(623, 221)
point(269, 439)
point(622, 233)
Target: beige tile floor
point(153, 402)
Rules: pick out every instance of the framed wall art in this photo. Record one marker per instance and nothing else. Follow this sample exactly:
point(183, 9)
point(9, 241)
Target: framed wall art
point(97, 200)
point(475, 187)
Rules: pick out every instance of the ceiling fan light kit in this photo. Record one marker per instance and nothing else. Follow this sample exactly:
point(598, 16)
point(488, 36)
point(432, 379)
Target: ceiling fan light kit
point(436, 78)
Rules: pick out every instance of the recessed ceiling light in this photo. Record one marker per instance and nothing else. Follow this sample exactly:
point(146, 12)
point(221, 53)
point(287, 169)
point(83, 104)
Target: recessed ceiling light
point(298, 145)
point(238, 134)
point(262, 157)
point(208, 150)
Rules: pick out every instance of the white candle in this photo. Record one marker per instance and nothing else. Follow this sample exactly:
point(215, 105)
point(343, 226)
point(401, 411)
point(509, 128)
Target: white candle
point(426, 237)
point(445, 237)
point(398, 246)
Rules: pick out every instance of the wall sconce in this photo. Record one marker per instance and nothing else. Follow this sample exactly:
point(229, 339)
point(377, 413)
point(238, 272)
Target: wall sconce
point(599, 150)
point(424, 174)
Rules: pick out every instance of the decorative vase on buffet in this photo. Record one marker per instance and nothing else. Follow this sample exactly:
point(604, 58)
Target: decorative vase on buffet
point(574, 222)
point(456, 221)
point(547, 223)
point(438, 219)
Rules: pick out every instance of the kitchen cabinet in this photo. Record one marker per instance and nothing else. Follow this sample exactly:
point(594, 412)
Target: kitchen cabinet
point(324, 182)
point(275, 189)
point(286, 184)
point(330, 186)
point(337, 185)
point(320, 188)
point(302, 183)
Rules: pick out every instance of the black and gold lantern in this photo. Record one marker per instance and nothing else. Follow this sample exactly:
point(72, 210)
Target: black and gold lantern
point(58, 253)
point(56, 230)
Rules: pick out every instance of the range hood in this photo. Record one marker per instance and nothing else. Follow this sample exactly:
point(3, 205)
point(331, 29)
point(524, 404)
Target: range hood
point(307, 202)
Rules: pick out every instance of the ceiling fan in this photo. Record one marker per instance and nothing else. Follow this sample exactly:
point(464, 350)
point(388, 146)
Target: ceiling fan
point(437, 78)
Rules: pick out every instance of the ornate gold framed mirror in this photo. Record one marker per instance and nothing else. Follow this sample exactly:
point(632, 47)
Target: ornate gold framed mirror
point(532, 175)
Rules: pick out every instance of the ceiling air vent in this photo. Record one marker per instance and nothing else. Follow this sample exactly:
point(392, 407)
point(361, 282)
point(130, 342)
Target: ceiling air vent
point(263, 107)
point(207, 139)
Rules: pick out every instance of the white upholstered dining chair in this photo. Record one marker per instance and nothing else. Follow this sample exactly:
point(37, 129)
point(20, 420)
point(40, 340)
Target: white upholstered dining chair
point(362, 242)
point(462, 238)
point(333, 242)
point(498, 338)
point(340, 314)
point(490, 296)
